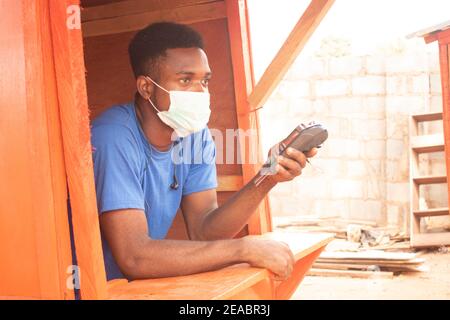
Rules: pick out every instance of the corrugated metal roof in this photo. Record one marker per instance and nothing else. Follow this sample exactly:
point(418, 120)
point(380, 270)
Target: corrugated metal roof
point(426, 32)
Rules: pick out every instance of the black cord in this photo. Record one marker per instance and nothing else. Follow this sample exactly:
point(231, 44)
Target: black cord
point(174, 185)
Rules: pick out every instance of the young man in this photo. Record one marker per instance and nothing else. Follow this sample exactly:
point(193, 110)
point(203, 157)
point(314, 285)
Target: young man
point(140, 187)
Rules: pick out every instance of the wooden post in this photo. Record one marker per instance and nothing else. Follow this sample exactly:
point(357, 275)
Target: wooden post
point(240, 45)
point(444, 57)
point(74, 115)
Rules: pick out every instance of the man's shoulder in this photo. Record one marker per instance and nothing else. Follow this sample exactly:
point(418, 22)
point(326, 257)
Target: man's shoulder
point(117, 115)
point(115, 126)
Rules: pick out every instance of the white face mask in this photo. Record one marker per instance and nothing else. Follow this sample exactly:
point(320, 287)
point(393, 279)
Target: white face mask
point(188, 111)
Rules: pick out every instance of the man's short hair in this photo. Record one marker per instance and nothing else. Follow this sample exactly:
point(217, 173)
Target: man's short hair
point(151, 43)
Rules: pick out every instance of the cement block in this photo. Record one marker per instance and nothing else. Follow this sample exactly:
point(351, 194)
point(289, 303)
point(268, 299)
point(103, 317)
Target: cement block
point(347, 189)
point(413, 62)
point(435, 83)
point(345, 66)
point(397, 192)
point(327, 88)
point(369, 85)
point(395, 149)
point(366, 210)
point(346, 106)
point(375, 65)
point(421, 84)
point(375, 149)
point(356, 169)
point(368, 129)
point(397, 85)
point(406, 105)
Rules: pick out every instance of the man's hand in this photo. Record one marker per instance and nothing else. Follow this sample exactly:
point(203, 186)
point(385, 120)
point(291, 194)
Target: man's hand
point(272, 255)
point(290, 166)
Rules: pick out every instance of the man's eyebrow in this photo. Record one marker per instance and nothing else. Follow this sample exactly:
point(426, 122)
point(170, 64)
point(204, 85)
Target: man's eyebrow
point(190, 73)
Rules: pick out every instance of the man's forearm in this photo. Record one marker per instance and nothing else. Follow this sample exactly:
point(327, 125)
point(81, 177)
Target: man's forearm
point(227, 220)
point(167, 258)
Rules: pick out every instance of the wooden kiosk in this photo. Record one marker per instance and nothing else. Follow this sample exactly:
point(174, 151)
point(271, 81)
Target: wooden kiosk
point(55, 79)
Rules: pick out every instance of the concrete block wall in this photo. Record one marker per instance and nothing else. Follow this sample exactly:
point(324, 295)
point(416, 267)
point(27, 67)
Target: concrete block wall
point(362, 171)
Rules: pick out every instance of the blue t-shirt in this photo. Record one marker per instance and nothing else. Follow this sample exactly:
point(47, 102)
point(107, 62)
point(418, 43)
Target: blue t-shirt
point(131, 174)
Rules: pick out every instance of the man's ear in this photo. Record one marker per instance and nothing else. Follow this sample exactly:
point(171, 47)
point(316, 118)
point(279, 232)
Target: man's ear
point(144, 87)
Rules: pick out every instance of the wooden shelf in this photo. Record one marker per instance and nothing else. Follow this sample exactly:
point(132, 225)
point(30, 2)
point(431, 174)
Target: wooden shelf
point(432, 116)
point(430, 179)
point(428, 143)
point(431, 212)
point(430, 239)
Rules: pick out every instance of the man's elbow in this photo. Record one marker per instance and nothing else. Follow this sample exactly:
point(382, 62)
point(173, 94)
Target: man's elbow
point(129, 266)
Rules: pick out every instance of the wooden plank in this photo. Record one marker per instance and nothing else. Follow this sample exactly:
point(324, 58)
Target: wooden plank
point(74, 115)
point(45, 236)
point(236, 282)
point(213, 285)
point(430, 239)
point(238, 29)
point(414, 222)
point(34, 253)
point(369, 255)
point(431, 38)
point(427, 143)
point(444, 59)
point(430, 180)
point(291, 48)
point(431, 212)
point(444, 37)
point(300, 243)
point(431, 116)
point(229, 183)
point(56, 155)
point(366, 267)
point(131, 7)
point(187, 15)
point(412, 262)
point(351, 273)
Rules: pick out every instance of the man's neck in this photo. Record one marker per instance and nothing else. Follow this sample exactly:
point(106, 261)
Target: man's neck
point(158, 134)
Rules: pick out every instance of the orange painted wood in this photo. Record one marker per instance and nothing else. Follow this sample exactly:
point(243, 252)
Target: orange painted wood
point(56, 156)
point(444, 58)
point(74, 115)
point(34, 237)
point(235, 282)
point(130, 7)
point(188, 15)
point(444, 36)
point(238, 30)
point(229, 183)
point(430, 38)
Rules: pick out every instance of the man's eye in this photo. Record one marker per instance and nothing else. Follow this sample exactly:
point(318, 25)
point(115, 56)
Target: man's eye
point(185, 81)
point(205, 82)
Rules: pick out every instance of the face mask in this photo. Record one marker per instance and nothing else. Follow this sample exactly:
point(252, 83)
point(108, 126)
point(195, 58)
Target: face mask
point(188, 111)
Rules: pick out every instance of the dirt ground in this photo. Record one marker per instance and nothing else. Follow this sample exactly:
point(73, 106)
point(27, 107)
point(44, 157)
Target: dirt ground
point(433, 284)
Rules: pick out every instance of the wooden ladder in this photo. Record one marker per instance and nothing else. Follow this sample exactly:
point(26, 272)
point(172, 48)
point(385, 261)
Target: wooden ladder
point(424, 144)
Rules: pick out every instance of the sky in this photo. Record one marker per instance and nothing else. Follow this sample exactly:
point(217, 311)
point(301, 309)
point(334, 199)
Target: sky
point(368, 24)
